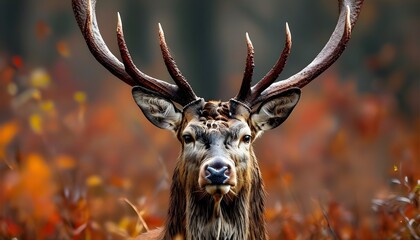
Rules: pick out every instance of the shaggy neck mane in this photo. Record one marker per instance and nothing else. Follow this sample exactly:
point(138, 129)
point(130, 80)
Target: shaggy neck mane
point(226, 219)
point(192, 215)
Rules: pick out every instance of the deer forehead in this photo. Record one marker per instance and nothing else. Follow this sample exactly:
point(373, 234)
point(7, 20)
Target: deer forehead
point(214, 118)
point(221, 129)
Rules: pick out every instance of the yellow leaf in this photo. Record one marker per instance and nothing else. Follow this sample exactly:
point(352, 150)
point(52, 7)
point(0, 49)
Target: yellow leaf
point(124, 223)
point(93, 181)
point(143, 224)
point(40, 78)
point(35, 122)
point(47, 106)
point(79, 97)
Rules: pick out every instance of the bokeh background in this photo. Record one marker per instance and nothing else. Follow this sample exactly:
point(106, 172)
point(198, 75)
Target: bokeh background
point(78, 160)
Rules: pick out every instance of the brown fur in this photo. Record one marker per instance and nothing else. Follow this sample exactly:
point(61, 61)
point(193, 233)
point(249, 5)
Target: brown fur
point(191, 209)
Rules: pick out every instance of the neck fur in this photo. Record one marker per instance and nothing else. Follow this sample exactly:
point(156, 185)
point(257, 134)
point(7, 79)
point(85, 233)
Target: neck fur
point(195, 215)
point(224, 219)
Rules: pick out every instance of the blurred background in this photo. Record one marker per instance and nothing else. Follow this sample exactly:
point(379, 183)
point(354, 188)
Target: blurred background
point(78, 160)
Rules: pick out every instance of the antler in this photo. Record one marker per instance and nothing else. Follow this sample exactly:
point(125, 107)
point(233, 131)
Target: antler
point(335, 46)
point(182, 93)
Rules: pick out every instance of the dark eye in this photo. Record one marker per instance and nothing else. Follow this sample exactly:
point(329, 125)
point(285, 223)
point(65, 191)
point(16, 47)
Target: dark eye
point(246, 139)
point(187, 138)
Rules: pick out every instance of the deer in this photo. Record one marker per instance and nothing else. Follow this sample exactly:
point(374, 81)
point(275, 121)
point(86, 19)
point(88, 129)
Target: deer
point(217, 189)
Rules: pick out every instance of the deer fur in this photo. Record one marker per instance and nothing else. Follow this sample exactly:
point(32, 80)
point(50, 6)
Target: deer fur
point(217, 128)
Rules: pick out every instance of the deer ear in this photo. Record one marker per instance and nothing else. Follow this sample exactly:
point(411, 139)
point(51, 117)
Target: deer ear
point(158, 110)
point(275, 110)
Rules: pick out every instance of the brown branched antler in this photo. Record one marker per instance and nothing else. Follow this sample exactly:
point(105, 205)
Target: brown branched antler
point(181, 93)
point(266, 87)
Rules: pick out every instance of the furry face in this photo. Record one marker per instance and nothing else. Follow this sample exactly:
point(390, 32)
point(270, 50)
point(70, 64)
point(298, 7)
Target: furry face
point(215, 152)
point(216, 165)
point(217, 190)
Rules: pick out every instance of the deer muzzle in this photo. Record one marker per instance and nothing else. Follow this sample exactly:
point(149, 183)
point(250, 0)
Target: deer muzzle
point(217, 176)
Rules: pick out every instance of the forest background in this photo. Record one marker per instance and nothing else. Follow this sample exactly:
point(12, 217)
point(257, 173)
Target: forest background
point(78, 160)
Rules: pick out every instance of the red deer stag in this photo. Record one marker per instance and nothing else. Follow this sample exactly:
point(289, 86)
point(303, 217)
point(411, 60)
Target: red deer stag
point(217, 190)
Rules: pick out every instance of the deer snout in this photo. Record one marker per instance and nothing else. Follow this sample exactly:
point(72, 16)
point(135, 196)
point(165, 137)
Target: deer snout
point(217, 176)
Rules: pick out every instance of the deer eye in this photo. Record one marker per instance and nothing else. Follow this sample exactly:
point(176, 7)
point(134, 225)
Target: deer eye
point(187, 138)
point(246, 139)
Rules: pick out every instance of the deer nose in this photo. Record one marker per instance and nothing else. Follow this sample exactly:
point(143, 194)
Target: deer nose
point(217, 173)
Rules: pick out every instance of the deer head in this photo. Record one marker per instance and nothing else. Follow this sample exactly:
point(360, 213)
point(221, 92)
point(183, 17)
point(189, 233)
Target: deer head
point(217, 189)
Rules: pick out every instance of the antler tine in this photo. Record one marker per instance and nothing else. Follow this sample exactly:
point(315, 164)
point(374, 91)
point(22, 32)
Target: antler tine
point(84, 12)
point(246, 93)
point(158, 86)
point(274, 73)
point(328, 55)
point(249, 70)
point(173, 70)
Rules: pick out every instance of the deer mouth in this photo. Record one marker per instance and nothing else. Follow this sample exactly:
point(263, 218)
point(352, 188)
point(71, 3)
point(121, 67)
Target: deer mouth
point(217, 189)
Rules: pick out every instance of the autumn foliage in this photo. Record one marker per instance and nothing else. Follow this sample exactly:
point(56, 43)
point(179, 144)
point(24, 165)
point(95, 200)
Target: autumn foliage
point(344, 166)
point(80, 165)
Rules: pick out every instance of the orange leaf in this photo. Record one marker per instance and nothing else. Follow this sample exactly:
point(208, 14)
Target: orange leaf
point(42, 30)
point(63, 49)
point(7, 132)
point(34, 193)
point(65, 162)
